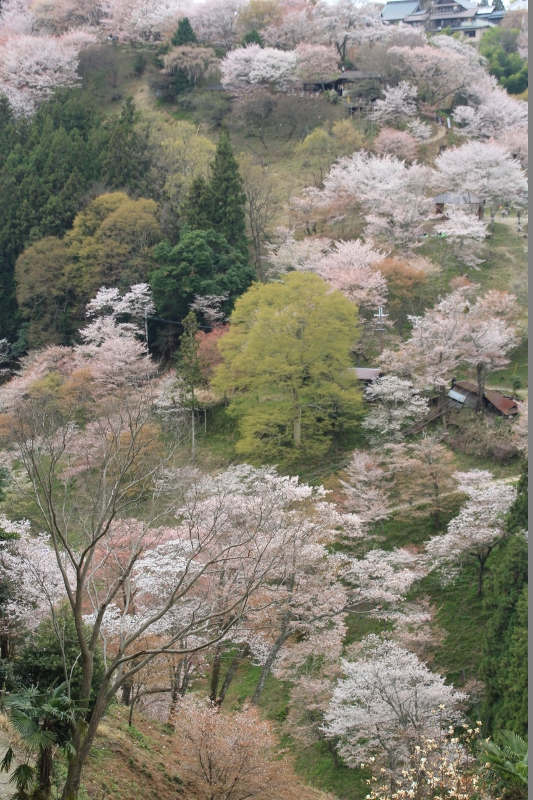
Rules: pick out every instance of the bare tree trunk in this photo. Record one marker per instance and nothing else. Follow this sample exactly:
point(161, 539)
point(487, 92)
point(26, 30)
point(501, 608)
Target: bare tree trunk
point(230, 674)
point(269, 663)
point(215, 675)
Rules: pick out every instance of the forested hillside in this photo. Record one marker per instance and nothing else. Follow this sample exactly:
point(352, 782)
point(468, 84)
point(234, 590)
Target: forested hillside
point(263, 403)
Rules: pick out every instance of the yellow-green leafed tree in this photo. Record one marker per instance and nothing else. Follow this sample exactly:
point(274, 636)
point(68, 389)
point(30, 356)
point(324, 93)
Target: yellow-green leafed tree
point(108, 245)
point(285, 369)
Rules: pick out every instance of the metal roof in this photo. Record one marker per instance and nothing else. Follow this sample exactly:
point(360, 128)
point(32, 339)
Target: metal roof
point(466, 392)
point(367, 373)
point(398, 9)
point(505, 405)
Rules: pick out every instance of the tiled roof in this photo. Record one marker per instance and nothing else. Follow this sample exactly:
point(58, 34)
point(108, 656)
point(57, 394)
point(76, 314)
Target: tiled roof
point(398, 9)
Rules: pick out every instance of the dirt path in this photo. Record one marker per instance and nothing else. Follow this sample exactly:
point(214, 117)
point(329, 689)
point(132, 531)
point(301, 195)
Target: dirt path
point(441, 134)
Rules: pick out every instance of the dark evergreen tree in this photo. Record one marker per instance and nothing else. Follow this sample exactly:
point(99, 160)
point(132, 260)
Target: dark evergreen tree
point(227, 196)
point(202, 263)
point(252, 37)
point(197, 208)
point(127, 161)
point(47, 660)
point(46, 165)
point(184, 33)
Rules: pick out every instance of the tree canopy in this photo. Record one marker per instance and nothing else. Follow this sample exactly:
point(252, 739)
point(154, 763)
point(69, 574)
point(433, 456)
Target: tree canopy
point(286, 360)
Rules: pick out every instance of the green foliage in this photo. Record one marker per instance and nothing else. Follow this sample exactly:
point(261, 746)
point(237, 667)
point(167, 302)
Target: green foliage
point(47, 164)
point(108, 245)
point(184, 33)
point(41, 662)
point(139, 65)
point(505, 702)
point(505, 765)
point(201, 263)
point(42, 719)
point(499, 46)
point(285, 365)
point(252, 37)
point(219, 203)
point(127, 158)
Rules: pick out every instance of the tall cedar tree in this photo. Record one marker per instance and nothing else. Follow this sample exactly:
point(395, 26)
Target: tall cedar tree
point(504, 665)
point(219, 204)
point(127, 159)
point(184, 33)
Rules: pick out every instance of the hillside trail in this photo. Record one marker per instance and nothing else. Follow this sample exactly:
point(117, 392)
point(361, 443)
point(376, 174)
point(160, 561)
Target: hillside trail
point(441, 134)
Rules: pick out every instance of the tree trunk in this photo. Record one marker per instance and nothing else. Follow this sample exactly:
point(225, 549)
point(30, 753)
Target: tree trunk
point(480, 387)
point(215, 675)
point(480, 574)
point(45, 772)
point(230, 674)
point(269, 663)
point(297, 428)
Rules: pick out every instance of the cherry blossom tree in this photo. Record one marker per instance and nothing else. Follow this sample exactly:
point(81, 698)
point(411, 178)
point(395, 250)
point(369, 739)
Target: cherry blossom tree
point(392, 194)
point(492, 113)
point(316, 63)
point(419, 130)
point(422, 474)
point(308, 595)
point(216, 22)
point(253, 65)
point(297, 26)
point(195, 63)
point(230, 756)
point(397, 404)
point(397, 105)
point(479, 526)
point(396, 143)
point(348, 266)
point(488, 337)
point(365, 487)
point(386, 703)
point(466, 234)
point(31, 68)
point(484, 169)
point(287, 253)
point(32, 580)
point(147, 590)
point(432, 353)
point(141, 20)
point(438, 73)
point(380, 581)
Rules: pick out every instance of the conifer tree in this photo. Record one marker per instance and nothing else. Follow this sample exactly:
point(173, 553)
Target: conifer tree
point(184, 33)
point(219, 204)
point(252, 37)
point(227, 196)
point(126, 163)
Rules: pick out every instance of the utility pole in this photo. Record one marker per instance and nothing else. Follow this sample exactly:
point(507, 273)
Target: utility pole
point(379, 326)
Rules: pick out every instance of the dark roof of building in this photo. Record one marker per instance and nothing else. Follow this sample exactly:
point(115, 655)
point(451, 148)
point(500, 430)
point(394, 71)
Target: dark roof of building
point(505, 405)
point(398, 9)
point(466, 13)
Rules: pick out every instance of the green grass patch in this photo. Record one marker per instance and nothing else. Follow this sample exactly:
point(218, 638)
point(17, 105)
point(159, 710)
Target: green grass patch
point(316, 765)
point(461, 614)
point(405, 528)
